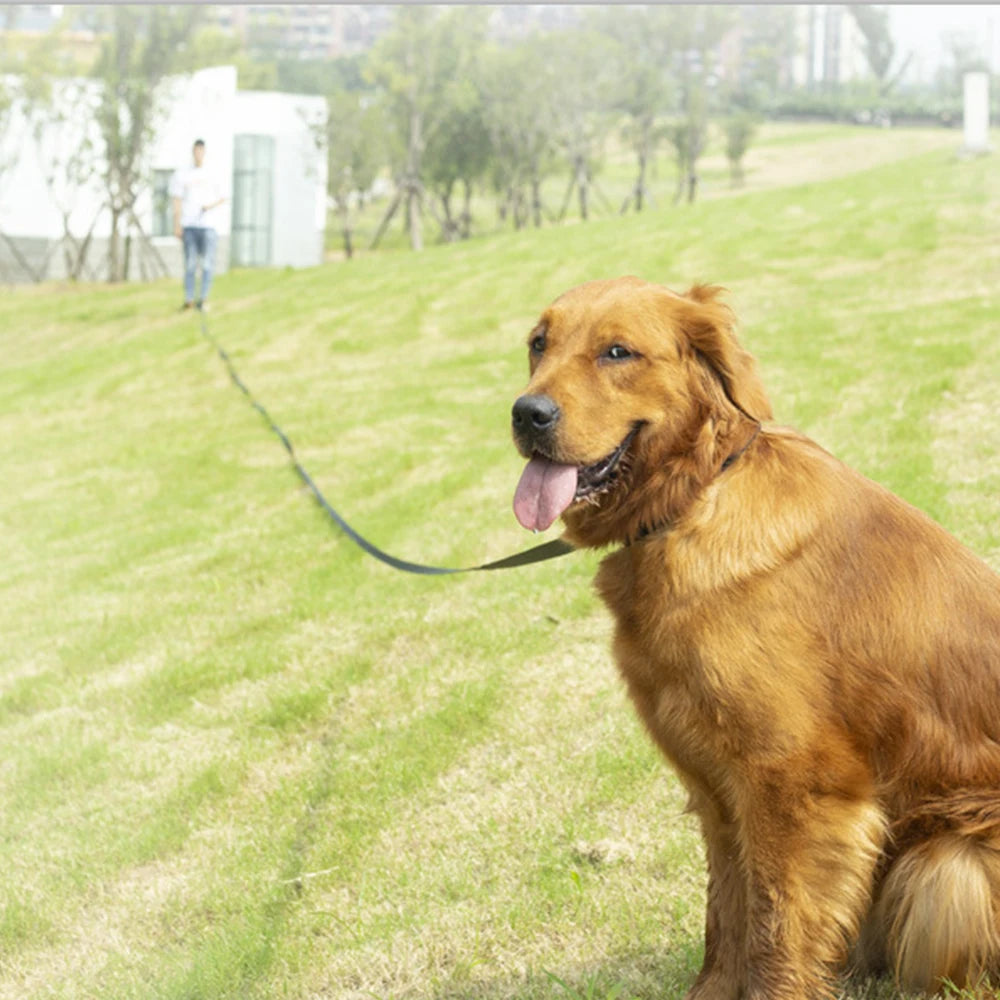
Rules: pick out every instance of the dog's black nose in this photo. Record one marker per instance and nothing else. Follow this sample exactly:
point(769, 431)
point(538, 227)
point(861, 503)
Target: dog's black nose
point(534, 415)
point(533, 420)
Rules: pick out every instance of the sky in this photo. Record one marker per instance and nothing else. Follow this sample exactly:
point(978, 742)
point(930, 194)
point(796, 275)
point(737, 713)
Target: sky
point(921, 27)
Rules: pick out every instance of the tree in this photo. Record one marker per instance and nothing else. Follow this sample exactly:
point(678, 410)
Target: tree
point(879, 46)
point(29, 105)
point(766, 38)
point(583, 68)
point(418, 67)
point(211, 46)
point(767, 51)
point(144, 45)
point(317, 76)
point(459, 153)
point(643, 87)
point(521, 124)
point(698, 32)
point(965, 55)
point(738, 128)
point(353, 137)
point(68, 147)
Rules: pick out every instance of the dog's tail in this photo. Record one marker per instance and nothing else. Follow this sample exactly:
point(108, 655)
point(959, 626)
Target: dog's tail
point(938, 910)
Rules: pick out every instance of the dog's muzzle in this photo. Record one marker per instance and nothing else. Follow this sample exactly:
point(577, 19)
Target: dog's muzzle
point(533, 421)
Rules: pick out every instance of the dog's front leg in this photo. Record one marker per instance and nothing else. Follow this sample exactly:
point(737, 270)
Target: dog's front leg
point(810, 856)
point(723, 971)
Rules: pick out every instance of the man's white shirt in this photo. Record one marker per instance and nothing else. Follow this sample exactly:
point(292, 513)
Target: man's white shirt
point(197, 186)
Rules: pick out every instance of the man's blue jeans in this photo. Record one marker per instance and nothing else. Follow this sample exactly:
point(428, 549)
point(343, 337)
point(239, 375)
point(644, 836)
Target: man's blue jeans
point(199, 244)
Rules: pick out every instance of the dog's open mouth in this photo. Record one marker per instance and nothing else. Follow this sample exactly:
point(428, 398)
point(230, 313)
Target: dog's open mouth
point(547, 488)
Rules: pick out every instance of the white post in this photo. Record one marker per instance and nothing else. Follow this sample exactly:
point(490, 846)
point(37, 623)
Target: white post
point(976, 114)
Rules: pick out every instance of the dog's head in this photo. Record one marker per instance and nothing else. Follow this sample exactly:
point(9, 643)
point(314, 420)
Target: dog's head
point(636, 398)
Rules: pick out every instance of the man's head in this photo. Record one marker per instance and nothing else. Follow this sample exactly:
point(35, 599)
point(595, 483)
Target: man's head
point(198, 151)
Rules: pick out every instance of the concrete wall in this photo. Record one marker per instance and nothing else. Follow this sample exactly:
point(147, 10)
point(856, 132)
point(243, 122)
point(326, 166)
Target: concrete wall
point(299, 207)
point(25, 259)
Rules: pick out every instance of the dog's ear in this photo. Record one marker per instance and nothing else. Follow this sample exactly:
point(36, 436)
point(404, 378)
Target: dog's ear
point(709, 325)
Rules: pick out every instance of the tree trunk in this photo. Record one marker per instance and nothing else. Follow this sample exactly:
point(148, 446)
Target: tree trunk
point(640, 184)
point(386, 219)
point(536, 201)
point(127, 258)
point(449, 229)
point(520, 209)
point(114, 269)
point(80, 247)
point(414, 217)
point(466, 222)
point(344, 211)
point(682, 174)
point(569, 194)
point(583, 187)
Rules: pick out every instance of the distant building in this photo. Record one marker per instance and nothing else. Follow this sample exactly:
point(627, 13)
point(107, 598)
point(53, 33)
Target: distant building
point(302, 31)
point(829, 47)
point(29, 17)
point(813, 46)
point(261, 144)
point(512, 22)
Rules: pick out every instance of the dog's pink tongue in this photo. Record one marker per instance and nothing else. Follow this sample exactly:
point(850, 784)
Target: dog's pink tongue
point(546, 489)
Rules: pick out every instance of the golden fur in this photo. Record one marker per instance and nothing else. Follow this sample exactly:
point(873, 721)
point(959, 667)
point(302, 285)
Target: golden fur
point(818, 660)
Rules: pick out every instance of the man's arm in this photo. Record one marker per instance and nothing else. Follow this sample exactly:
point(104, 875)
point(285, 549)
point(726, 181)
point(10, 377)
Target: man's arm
point(177, 218)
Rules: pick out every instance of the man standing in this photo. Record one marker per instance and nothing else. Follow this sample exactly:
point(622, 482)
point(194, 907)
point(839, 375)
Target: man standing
point(197, 195)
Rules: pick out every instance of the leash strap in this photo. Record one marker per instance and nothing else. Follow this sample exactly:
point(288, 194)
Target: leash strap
point(547, 550)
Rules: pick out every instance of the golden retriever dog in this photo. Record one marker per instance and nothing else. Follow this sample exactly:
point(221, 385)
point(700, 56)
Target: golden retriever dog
point(818, 660)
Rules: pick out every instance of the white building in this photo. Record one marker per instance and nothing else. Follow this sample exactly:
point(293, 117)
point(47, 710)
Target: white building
point(829, 46)
point(263, 146)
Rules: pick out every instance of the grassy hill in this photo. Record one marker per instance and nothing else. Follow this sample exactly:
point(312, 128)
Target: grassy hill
point(238, 758)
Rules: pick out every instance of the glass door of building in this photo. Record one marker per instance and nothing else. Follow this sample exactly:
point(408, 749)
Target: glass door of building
point(253, 179)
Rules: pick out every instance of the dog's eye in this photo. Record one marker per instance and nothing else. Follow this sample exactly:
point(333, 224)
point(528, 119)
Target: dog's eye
point(616, 352)
point(537, 344)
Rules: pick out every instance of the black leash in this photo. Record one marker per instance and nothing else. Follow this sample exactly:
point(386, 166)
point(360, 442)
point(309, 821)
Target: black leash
point(547, 550)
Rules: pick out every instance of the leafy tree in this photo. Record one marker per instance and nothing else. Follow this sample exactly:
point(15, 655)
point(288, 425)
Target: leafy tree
point(211, 46)
point(767, 33)
point(459, 153)
point(520, 121)
point(353, 137)
point(418, 66)
point(643, 89)
point(964, 54)
point(319, 76)
point(582, 70)
point(144, 45)
point(698, 31)
point(739, 127)
point(879, 45)
point(69, 151)
point(35, 114)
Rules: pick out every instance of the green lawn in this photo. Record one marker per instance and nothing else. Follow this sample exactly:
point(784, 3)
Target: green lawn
point(240, 759)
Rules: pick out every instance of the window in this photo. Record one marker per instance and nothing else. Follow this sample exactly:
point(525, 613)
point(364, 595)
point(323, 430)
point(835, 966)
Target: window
point(163, 213)
point(253, 169)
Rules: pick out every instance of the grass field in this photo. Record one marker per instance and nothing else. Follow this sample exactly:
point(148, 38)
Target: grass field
point(240, 759)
